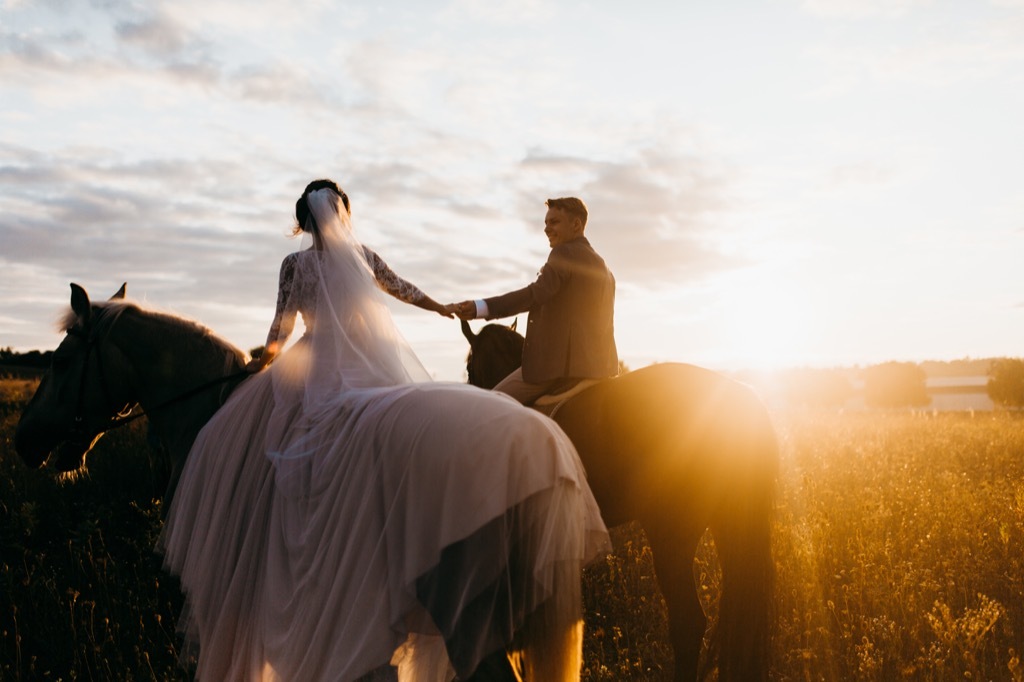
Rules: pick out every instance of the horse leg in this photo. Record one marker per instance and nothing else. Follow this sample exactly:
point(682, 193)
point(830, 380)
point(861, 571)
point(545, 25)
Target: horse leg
point(549, 646)
point(494, 668)
point(673, 564)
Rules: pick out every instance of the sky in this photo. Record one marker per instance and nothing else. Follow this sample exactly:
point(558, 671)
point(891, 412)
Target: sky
point(781, 183)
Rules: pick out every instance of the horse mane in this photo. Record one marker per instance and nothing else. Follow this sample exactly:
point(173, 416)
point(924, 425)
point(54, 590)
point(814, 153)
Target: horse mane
point(502, 338)
point(106, 313)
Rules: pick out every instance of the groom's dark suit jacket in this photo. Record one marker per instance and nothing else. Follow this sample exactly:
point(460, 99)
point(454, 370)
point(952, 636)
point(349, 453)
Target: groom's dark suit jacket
point(570, 330)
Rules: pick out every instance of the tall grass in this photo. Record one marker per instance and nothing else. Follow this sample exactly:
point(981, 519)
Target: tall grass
point(82, 594)
point(900, 542)
point(899, 547)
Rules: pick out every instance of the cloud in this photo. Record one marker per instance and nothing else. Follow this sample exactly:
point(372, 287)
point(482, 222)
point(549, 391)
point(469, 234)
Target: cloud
point(51, 59)
point(156, 36)
point(500, 12)
point(430, 143)
point(654, 216)
point(162, 221)
point(942, 50)
point(860, 9)
point(651, 215)
point(190, 235)
point(147, 50)
point(434, 231)
point(858, 175)
point(278, 83)
point(47, 53)
point(232, 20)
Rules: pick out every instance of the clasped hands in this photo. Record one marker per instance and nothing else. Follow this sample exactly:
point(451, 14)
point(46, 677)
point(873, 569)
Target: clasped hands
point(466, 310)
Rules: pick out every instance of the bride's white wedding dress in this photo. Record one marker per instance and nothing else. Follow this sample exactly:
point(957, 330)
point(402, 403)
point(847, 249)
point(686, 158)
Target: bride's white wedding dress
point(337, 517)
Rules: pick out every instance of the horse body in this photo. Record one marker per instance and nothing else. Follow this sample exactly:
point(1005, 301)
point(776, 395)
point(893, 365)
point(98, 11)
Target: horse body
point(681, 450)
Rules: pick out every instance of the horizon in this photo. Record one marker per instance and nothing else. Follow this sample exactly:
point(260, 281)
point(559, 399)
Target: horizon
point(934, 369)
point(815, 183)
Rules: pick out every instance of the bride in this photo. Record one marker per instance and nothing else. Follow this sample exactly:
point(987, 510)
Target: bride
point(343, 518)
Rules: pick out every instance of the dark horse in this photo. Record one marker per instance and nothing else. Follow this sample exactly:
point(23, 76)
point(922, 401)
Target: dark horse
point(178, 372)
point(680, 449)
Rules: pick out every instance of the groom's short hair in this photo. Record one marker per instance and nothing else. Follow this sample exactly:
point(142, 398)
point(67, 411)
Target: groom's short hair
point(571, 205)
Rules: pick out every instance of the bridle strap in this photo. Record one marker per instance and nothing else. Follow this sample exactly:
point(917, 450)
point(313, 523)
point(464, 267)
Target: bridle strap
point(125, 415)
point(78, 431)
point(125, 418)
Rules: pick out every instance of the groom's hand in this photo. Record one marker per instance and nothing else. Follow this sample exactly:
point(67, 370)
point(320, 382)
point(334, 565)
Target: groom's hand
point(466, 310)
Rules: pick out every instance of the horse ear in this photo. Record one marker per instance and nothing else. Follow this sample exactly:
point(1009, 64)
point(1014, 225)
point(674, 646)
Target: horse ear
point(467, 331)
point(120, 292)
point(80, 304)
point(515, 322)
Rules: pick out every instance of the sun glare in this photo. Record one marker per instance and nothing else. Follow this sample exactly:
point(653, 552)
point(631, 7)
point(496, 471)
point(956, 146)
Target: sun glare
point(766, 327)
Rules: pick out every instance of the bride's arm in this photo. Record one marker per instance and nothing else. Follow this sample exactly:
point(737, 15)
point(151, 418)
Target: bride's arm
point(401, 289)
point(284, 317)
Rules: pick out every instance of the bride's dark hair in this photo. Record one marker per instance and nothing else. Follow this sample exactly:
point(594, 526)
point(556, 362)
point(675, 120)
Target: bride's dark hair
point(302, 214)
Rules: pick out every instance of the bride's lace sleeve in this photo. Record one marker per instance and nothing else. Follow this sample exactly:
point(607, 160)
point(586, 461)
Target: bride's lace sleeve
point(287, 304)
point(389, 281)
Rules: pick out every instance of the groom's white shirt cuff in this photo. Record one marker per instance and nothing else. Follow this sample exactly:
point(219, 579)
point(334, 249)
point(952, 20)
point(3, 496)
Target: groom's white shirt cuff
point(481, 307)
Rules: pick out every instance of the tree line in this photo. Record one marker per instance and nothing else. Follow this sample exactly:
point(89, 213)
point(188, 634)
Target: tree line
point(32, 363)
point(896, 384)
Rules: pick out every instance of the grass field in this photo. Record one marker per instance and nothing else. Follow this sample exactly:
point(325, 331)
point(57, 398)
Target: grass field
point(899, 549)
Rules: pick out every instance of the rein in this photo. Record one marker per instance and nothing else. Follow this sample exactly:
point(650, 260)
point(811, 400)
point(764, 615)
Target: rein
point(124, 416)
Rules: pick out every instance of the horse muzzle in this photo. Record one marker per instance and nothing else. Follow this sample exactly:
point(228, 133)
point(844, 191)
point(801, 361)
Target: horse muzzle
point(33, 445)
point(65, 451)
point(70, 454)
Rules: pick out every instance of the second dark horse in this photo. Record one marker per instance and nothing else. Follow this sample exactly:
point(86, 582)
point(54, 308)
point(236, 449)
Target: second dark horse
point(682, 450)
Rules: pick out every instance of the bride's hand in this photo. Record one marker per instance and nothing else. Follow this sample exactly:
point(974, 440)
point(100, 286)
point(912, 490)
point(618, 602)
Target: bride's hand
point(466, 310)
point(442, 310)
point(265, 358)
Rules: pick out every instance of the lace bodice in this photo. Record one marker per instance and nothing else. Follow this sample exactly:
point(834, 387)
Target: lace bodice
point(297, 290)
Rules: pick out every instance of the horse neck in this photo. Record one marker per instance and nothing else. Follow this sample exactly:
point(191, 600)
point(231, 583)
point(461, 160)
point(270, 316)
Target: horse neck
point(496, 352)
point(170, 358)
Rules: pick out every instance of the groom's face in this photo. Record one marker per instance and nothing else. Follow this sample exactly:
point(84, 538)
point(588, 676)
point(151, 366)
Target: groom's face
point(560, 227)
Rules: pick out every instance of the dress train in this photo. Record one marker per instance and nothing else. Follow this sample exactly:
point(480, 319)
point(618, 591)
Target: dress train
point(404, 532)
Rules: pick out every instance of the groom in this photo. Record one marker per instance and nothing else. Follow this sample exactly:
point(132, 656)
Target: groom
point(570, 330)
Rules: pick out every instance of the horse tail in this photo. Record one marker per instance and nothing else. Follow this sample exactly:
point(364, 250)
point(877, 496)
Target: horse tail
point(741, 641)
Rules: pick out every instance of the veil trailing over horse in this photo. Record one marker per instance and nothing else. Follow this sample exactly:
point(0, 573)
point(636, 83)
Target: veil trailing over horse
point(681, 450)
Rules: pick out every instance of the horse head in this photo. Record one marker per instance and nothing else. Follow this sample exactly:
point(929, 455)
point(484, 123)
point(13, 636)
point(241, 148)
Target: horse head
point(81, 393)
point(494, 352)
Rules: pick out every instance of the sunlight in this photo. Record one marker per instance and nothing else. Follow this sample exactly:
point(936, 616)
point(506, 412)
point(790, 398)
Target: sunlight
point(765, 324)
